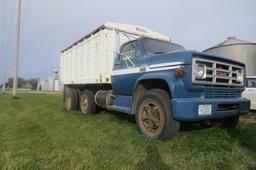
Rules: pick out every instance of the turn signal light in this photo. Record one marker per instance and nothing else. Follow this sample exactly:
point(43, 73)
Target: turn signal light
point(179, 72)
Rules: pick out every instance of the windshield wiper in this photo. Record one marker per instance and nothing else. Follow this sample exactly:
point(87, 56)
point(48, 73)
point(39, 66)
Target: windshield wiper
point(159, 52)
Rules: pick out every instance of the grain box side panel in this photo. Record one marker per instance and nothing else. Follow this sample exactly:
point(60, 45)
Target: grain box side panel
point(95, 58)
point(86, 69)
point(86, 76)
point(70, 54)
point(66, 67)
point(109, 54)
point(69, 64)
point(80, 61)
point(61, 66)
point(102, 56)
point(63, 72)
point(75, 63)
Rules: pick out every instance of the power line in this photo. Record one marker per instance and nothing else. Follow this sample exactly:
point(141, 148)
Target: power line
point(26, 14)
point(23, 20)
point(5, 71)
point(10, 19)
point(2, 42)
point(3, 25)
point(9, 27)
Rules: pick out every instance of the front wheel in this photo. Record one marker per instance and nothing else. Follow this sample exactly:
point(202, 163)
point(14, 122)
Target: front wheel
point(154, 115)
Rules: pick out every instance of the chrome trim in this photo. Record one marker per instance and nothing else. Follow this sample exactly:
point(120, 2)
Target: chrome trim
point(212, 78)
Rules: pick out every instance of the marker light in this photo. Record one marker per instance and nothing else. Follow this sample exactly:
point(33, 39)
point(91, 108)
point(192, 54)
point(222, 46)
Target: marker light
point(239, 77)
point(179, 72)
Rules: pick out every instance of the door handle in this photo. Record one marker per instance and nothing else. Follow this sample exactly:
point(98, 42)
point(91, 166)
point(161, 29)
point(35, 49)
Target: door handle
point(142, 69)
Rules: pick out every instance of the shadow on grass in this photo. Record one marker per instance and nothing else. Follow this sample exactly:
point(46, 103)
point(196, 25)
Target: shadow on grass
point(191, 126)
point(185, 126)
point(123, 116)
point(197, 126)
point(153, 160)
point(246, 134)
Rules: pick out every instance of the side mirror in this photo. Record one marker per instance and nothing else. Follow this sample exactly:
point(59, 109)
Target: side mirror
point(126, 57)
point(117, 56)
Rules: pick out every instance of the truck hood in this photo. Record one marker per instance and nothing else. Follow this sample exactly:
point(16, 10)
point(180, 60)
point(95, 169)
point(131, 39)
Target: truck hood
point(185, 58)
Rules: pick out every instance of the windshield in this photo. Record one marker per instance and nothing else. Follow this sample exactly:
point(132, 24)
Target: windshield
point(251, 82)
point(153, 47)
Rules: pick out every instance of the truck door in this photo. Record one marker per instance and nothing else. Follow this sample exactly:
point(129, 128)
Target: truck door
point(250, 92)
point(127, 68)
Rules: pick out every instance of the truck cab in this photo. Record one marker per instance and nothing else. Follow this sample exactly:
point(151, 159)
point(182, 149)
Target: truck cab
point(196, 86)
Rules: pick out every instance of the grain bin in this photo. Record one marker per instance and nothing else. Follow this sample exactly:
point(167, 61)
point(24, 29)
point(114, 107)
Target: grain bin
point(236, 49)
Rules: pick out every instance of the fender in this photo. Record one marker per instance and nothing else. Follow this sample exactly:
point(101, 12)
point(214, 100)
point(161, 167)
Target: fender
point(175, 85)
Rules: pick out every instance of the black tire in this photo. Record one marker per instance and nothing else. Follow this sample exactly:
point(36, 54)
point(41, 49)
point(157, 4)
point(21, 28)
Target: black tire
point(154, 115)
point(230, 122)
point(65, 92)
point(71, 100)
point(87, 102)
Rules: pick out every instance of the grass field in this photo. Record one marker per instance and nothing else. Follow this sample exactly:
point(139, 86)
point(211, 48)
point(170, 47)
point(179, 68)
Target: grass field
point(37, 133)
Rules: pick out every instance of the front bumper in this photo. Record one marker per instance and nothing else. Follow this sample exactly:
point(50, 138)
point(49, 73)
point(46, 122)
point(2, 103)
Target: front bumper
point(186, 109)
point(253, 106)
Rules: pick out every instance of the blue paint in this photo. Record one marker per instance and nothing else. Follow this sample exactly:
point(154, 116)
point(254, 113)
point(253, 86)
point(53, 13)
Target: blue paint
point(186, 109)
point(185, 96)
point(123, 101)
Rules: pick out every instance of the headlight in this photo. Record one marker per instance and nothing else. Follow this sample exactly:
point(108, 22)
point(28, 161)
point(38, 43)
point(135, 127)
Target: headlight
point(200, 71)
point(239, 76)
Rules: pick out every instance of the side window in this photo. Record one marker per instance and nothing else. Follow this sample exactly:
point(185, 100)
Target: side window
point(251, 83)
point(128, 51)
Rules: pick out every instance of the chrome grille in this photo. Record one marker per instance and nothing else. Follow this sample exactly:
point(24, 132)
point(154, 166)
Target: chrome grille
point(221, 94)
point(217, 73)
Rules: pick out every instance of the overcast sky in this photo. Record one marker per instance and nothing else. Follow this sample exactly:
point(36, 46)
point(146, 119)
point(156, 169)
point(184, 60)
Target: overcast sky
point(49, 26)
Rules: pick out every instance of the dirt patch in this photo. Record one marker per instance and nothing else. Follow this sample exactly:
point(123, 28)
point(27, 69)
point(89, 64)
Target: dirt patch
point(250, 118)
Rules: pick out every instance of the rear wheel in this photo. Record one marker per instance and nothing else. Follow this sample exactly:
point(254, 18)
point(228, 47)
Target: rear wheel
point(154, 115)
point(230, 122)
point(71, 100)
point(87, 103)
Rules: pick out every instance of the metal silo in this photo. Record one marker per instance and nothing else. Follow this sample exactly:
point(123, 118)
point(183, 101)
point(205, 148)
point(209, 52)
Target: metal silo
point(236, 49)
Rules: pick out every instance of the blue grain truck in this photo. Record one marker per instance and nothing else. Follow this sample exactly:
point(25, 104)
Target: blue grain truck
point(163, 84)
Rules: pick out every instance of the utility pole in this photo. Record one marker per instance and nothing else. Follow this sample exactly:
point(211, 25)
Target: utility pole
point(16, 59)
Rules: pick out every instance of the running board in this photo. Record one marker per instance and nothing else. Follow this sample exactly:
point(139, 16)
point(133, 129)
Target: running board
point(119, 109)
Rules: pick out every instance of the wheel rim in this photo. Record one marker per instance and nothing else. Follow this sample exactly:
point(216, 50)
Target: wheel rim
point(68, 103)
point(84, 104)
point(151, 117)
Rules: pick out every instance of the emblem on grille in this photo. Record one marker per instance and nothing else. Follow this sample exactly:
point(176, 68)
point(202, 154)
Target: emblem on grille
point(222, 74)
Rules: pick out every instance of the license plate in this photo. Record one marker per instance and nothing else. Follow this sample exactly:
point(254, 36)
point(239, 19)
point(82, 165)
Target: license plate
point(205, 109)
